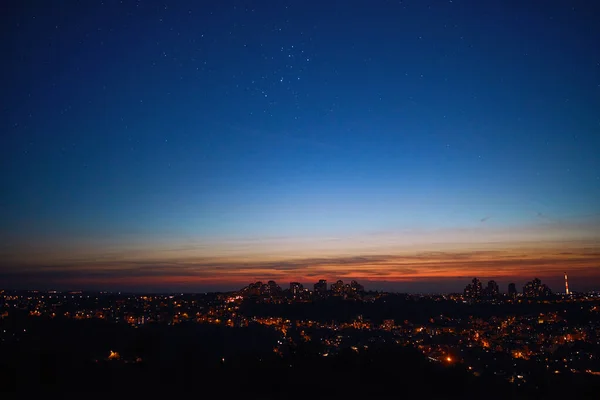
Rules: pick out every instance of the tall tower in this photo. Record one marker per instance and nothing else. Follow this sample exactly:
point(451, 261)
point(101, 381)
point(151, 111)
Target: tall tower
point(566, 284)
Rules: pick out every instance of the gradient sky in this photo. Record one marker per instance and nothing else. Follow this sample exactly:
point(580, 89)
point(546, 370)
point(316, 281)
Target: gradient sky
point(198, 145)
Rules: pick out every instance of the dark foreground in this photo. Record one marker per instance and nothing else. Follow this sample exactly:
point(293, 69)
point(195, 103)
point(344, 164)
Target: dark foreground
point(66, 356)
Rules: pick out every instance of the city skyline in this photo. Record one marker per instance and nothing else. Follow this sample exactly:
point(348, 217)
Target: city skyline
point(417, 268)
point(172, 147)
point(408, 286)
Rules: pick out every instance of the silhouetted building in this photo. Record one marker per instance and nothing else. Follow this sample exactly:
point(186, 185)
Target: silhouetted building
point(492, 289)
point(296, 288)
point(321, 287)
point(474, 290)
point(255, 289)
point(512, 290)
point(536, 288)
point(347, 289)
point(273, 288)
point(338, 287)
point(356, 287)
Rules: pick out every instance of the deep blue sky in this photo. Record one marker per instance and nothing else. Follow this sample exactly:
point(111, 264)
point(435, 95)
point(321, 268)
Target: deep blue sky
point(225, 119)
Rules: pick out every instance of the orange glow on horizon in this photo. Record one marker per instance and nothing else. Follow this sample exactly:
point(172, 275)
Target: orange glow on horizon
point(522, 264)
point(174, 268)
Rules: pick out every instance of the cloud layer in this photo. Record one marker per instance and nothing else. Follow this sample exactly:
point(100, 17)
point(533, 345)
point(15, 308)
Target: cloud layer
point(398, 258)
point(521, 263)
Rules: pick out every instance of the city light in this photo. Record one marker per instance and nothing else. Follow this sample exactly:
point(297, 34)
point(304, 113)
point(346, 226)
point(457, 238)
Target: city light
point(525, 338)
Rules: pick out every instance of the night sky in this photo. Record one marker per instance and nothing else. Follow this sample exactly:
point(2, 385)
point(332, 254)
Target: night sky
point(196, 145)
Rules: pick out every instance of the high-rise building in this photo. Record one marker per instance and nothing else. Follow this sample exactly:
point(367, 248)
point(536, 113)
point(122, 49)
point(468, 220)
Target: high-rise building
point(536, 288)
point(273, 288)
point(492, 289)
point(566, 285)
point(338, 287)
point(474, 289)
point(255, 289)
point(296, 288)
point(321, 286)
point(512, 290)
point(356, 287)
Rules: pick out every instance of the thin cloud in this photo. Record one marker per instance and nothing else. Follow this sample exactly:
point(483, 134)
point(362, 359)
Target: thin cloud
point(424, 265)
point(543, 216)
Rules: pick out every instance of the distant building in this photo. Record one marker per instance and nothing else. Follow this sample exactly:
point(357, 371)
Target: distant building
point(273, 288)
point(474, 290)
point(492, 289)
point(255, 289)
point(296, 288)
point(320, 287)
point(338, 287)
point(536, 288)
point(356, 287)
point(512, 290)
